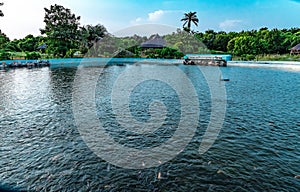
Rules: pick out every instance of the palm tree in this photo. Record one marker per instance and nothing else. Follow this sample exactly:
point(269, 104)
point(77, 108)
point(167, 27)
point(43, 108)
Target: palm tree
point(188, 19)
point(92, 34)
point(1, 13)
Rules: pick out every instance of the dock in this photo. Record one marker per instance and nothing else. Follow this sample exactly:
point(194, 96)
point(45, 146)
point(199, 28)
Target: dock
point(27, 64)
point(208, 60)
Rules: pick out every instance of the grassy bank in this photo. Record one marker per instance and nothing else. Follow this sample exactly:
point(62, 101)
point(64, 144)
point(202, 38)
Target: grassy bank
point(272, 57)
point(269, 57)
point(10, 55)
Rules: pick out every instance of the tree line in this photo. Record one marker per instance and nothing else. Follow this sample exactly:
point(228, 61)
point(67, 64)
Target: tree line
point(249, 43)
point(63, 36)
point(254, 42)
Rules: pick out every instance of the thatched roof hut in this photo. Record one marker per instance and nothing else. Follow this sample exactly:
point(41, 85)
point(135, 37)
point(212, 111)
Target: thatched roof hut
point(296, 49)
point(155, 42)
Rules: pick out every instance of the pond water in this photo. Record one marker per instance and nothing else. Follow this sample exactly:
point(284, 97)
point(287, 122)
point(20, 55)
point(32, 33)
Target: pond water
point(257, 149)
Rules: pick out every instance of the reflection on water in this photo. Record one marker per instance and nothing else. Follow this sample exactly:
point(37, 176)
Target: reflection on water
point(257, 149)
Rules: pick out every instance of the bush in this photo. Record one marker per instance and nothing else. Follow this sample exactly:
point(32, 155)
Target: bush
point(248, 57)
point(4, 55)
point(33, 55)
point(71, 52)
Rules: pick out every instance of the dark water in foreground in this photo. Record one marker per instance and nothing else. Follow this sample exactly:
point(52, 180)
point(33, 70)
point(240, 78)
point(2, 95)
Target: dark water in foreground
point(258, 148)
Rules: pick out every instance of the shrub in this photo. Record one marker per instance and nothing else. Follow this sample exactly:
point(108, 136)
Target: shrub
point(4, 55)
point(33, 55)
point(248, 57)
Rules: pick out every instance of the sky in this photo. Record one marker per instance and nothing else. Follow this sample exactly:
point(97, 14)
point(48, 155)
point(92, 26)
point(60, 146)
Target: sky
point(133, 16)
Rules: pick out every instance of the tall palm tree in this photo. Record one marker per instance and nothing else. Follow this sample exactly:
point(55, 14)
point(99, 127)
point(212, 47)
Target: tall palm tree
point(92, 34)
point(188, 19)
point(1, 13)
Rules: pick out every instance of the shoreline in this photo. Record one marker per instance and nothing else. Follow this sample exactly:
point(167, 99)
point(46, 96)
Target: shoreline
point(282, 65)
point(90, 62)
point(265, 62)
point(142, 58)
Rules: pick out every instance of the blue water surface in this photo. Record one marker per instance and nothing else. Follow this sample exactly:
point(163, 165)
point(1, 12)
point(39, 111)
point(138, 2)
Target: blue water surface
point(258, 148)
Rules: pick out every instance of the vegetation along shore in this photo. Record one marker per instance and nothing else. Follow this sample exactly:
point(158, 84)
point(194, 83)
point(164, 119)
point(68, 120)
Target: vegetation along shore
point(68, 39)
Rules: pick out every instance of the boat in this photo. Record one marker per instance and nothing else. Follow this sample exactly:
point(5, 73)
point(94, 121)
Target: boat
point(205, 60)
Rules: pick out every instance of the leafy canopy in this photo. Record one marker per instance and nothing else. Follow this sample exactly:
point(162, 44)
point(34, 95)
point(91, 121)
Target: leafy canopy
point(60, 23)
point(61, 29)
point(92, 34)
point(1, 13)
point(188, 19)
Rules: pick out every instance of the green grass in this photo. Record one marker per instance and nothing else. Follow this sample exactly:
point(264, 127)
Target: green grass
point(268, 57)
point(277, 57)
point(22, 55)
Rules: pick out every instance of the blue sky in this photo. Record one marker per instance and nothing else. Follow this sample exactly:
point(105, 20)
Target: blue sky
point(26, 17)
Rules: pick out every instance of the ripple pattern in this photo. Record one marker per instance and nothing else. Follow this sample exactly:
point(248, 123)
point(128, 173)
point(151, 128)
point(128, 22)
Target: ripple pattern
point(257, 149)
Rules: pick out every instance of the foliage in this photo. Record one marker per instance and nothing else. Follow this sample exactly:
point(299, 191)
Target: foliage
point(61, 30)
point(33, 55)
point(3, 40)
point(12, 46)
point(185, 42)
point(129, 47)
point(170, 53)
point(4, 55)
point(188, 19)
point(29, 43)
point(64, 37)
point(251, 43)
point(92, 34)
point(70, 53)
point(277, 57)
point(110, 46)
point(1, 13)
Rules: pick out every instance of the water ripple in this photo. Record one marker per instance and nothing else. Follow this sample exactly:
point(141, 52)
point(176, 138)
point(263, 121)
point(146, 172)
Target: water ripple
point(257, 149)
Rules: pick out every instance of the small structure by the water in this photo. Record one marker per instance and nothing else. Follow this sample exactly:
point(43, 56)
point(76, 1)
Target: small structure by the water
point(209, 60)
point(296, 49)
point(28, 64)
point(155, 42)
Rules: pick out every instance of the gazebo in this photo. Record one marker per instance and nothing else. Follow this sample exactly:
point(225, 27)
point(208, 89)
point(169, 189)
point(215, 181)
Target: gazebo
point(296, 49)
point(155, 42)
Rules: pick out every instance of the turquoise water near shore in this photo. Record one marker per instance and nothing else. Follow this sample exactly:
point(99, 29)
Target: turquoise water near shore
point(258, 148)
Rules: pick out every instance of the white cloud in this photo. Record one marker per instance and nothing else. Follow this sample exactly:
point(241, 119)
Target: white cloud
point(156, 15)
point(164, 17)
point(138, 19)
point(229, 24)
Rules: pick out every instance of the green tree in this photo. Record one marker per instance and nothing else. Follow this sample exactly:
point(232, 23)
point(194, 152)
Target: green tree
point(209, 38)
point(29, 43)
point(220, 42)
point(90, 35)
point(188, 19)
point(12, 46)
point(33, 55)
point(274, 39)
point(61, 29)
point(184, 42)
point(3, 40)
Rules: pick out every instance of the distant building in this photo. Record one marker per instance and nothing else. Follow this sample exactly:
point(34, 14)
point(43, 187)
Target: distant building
point(155, 42)
point(296, 49)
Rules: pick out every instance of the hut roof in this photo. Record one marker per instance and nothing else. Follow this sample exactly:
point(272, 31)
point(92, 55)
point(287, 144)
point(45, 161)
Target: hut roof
point(296, 48)
point(155, 42)
point(44, 46)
